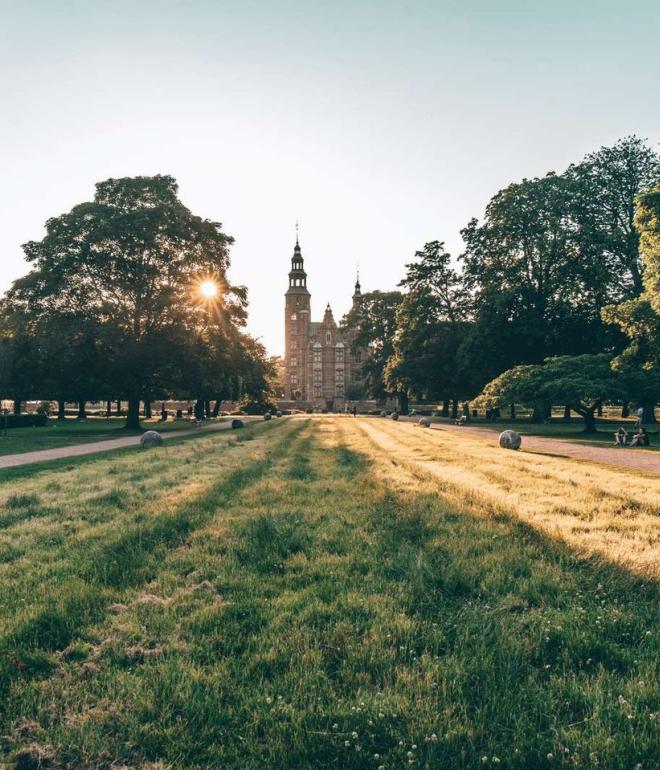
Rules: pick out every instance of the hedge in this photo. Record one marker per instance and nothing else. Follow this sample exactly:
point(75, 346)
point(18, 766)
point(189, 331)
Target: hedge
point(23, 420)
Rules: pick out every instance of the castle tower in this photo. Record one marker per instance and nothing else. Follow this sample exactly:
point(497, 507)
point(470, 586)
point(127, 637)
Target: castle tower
point(296, 329)
point(357, 293)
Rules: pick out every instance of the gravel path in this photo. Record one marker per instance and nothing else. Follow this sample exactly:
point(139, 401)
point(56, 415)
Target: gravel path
point(107, 445)
point(621, 457)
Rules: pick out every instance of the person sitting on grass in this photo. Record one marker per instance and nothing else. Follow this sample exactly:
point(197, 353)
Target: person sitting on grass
point(621, 436)
point(641, 438)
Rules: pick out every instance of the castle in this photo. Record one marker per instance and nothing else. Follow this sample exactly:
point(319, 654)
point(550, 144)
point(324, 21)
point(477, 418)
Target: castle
point(321, 369)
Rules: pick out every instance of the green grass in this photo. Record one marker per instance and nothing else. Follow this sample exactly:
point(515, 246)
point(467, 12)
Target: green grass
point(270, 603)
point(70, 431)
point(570, 430)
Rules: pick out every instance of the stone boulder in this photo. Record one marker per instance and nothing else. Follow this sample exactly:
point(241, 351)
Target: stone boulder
point(278, 413)
point(236, 424)
point(424, 422)
point(394, 416)
point(509, 439)
point(267, 416)
point(150, 438)
point(383, 413)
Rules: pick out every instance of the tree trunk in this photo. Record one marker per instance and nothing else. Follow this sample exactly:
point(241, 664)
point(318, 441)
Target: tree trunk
point(648, 418)
point(567, 412)
point(207, 409)
point(118, 412)
point(108, 409)
point(454, 409)
point(466, 410)
point(445, 408)
point(403, 402)
point(548, 413)
point(600, 410)
point(17, 406)
point(538, 413)
point(82, 412)
point(199, 409)
point(133, 418)
point(512, 411)
point(625, 409)
point(216, 407)
point(589, 420)
point(147, 410)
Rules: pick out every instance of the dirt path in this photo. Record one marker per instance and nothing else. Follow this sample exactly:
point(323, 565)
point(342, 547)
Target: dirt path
point(623, 457)
point(107, 445)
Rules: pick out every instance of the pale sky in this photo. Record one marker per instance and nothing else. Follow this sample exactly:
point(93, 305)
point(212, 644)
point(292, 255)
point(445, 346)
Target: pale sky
point(380, 125)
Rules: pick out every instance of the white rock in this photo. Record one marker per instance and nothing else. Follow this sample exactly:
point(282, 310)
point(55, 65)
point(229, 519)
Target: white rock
point(424, 422)
point(383, 413)
point(267, 416)
point(394, 416)
point(150, 438)
point(509, 439)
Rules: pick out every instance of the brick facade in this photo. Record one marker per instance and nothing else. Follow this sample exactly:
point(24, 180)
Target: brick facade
point(320, 367)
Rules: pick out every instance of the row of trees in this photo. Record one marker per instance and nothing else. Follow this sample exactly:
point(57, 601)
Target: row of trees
point(560, 267)
point(128, 298)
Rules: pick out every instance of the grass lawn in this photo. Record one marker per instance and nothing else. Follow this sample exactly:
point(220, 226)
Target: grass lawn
point(571, 430)
point(328, 593)
point(65, 433)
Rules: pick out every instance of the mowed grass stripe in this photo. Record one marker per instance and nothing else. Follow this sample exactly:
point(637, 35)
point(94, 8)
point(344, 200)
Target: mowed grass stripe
point(339, 613)
point(74, 510)
point(95, 574)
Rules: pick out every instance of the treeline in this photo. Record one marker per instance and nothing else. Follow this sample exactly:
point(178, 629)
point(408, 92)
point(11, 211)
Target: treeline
point(128, 299)
point(553, 301)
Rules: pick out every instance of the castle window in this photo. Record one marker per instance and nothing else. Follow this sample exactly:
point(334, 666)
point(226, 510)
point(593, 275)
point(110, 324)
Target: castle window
point(339, 355)
point(317, 391)
point(317, 356)
point(339, 375)
point(358, 356)
point(318, 376)
point(328, 338)
point(294, 344)
point(294, 316)
point(294, 362)
point(339, 390)
point(294, 330)
point(294, 380)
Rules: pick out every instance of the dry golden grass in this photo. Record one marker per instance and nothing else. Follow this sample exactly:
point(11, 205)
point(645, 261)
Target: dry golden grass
point(597, 510)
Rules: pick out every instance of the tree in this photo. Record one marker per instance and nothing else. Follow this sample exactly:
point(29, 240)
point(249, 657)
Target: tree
point(131, 261)
point(373, 320)
point(606, 186)
point(639, 318)
point(582, 382)
point(432, 323)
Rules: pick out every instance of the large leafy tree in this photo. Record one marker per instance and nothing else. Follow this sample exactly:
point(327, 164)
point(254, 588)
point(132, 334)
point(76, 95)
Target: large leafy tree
point(373, 321)
point(583, 382)
point(604, 191)
point(639, 318)
point(432, 324)
point(131, 261)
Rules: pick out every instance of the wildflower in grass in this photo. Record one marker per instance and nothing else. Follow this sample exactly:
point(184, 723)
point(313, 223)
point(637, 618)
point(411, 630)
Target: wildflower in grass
point(347, 743)
point(269, 700)
point(354, 735)
point(484, 759)
point(496, 760)
point(335, 726)
point(550, 755)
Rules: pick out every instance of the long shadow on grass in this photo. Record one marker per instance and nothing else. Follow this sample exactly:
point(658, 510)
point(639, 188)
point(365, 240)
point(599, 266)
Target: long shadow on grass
point(130, 559)
point(498, 638)
point(33, 470)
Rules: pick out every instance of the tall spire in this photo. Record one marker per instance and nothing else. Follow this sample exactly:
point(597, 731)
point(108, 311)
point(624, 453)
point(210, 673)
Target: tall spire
point(297, 229)
point(358, 289)
point(297, 274)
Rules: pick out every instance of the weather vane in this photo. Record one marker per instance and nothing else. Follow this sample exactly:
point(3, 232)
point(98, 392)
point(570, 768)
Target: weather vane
point(297, 230)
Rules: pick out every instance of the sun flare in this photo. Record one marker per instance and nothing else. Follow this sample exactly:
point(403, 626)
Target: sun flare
point(208, 289)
